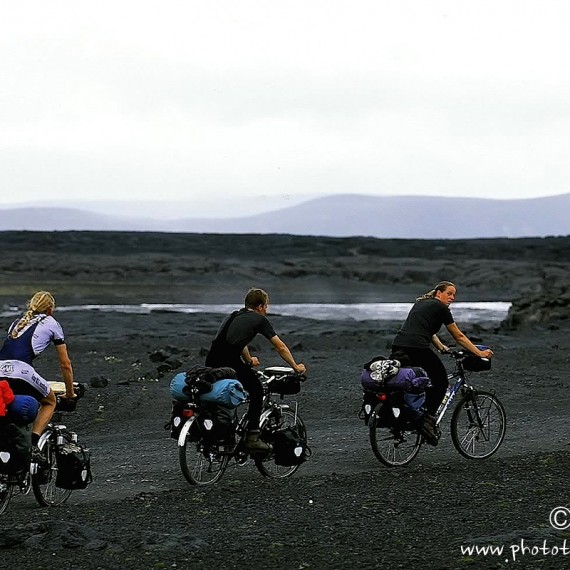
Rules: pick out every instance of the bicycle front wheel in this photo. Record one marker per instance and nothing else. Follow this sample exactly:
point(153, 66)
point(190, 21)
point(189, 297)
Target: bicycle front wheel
point(201, 463)
point(478, 425)
point(392, 444)
point(6, 489)
point(44, 480)
point(278, 420)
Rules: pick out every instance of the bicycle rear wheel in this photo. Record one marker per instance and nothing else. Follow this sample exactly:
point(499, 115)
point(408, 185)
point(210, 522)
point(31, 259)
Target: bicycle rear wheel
point(393, 444)
point(201, 463)
point(478, 425)
point(277, 420)
point(44, 480)
point(6, 489)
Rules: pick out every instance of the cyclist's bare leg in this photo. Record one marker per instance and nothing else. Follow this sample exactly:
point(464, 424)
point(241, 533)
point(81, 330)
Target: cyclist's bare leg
point(45, 414)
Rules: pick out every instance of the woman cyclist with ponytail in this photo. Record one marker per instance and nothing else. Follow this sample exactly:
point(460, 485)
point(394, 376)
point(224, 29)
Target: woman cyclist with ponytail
point(27, 338)
point(417, 338)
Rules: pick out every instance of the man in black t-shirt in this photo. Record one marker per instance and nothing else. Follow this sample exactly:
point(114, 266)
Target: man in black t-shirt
point(230, 348)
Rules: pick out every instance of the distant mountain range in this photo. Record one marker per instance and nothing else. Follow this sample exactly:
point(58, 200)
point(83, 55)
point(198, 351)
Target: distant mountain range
point(345, 215)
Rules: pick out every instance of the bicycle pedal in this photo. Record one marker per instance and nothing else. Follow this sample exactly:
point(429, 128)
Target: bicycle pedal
point(241, 458)
point(25, 485)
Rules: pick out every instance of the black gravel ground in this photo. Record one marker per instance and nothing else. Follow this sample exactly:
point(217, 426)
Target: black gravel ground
point(342, 508)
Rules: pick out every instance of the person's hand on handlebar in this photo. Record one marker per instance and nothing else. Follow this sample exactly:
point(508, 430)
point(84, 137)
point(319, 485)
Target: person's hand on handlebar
point(78, 392)
point(69, 394)
point(485, 353)
point(300, 368)
point(254, 361)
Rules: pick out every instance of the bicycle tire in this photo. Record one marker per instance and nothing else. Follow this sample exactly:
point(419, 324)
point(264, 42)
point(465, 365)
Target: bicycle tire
point(393, 445)
point(201, 464)
point(478, 425)
point(46, 492)
point(6, 490)
point(266, 464)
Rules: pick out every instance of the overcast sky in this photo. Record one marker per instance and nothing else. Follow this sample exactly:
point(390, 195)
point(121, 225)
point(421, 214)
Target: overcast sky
point(273, 102)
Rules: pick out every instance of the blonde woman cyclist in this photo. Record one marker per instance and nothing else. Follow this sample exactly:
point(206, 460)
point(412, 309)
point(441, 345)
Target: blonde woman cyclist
point(27, 338)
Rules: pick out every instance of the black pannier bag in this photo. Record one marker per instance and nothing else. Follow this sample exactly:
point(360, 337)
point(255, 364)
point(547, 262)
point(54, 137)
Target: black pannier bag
point(223, 424)
point(290, 446)
point(15, 447)
point(285, 386)
point(73, 466)
point(473, 363)
point(401, 409)
point(384, 415)
point(369, 402)
point(176, 419)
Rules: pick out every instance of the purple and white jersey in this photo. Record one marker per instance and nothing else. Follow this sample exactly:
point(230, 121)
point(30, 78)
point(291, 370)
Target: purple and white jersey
point(18, 370)
point(48, 330)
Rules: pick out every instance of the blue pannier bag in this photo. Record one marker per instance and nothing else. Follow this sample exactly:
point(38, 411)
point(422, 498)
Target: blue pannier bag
point(177, 385)
point(228, 393)
point(413, 408)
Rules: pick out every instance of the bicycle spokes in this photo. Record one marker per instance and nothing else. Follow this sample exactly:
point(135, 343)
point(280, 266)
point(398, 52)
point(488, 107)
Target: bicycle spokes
point(478, 425)
point(479, 421)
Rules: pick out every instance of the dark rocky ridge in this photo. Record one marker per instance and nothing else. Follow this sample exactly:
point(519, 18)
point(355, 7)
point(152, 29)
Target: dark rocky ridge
point(107, 267)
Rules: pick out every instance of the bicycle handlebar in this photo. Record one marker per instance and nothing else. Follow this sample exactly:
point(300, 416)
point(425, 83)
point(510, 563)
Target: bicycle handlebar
point(64, 404)
point(459, 355)
point(279, 372)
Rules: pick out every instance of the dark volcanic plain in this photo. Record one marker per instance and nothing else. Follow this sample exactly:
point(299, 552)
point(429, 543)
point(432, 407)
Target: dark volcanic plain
point(342, 508)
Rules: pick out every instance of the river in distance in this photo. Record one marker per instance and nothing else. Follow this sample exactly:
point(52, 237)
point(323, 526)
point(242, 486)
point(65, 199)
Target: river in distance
point(462, 312)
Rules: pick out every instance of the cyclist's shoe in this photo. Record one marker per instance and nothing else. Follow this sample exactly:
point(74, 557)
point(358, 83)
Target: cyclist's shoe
point(429, 430)
point(42, 472)
point(25, 483)
point(253, 444)
point(39, 458)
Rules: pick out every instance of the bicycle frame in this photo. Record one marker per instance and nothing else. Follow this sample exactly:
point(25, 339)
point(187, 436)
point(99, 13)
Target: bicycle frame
point(204, 459)
point(460, 384)
point(54, 433)
point(453, 389)
point(477, 423)
point(268, 406)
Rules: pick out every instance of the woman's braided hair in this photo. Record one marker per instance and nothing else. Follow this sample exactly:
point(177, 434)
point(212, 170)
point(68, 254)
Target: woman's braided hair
point(41, 302)
point(441, 286)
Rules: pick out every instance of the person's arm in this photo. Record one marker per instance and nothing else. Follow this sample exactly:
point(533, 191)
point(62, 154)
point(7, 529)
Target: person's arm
point(461, 339)
point(66, 369)
point(286, 355)
point(248, 359)
point(436, 341)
